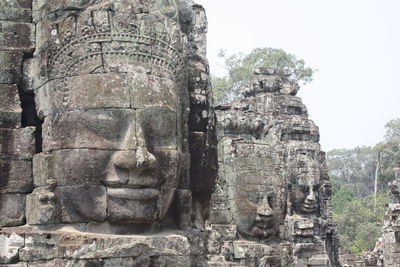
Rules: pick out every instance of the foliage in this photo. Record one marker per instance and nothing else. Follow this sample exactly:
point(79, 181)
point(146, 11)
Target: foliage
point(240, 69)
point(341, 196)
point(354, 168)
point(390, 150)
point(353, 172)
point(358, 226)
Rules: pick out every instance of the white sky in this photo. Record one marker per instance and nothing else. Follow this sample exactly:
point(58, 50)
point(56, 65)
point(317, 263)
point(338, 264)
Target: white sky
point(354, 44)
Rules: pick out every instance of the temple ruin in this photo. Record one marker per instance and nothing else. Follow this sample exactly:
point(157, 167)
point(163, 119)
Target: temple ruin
point(112, 154)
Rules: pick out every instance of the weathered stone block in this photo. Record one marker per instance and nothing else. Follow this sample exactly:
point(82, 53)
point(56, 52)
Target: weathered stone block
point(39, 247)
point(176, 261)
point(105, 90)
point(12, 209)
point(15, 14)
point(11, 65)
point(184, 203)
point(15, 176)
point(81, 204)
point(140, 210)
point(107, 246)
point(17, 36)
point(131, 261)
point(42, 170)
point(17, 3)
point(17, 143)
point(220, 213)
point(74, 167)
point(9, 246)
point(314, 261)
point(57, 263)
point(9, 100)
point(247, 249)
point(19, 264)
point(37, 254)
point(101, 129)
point(226, 231)
point(41, 207)
point(10, 119)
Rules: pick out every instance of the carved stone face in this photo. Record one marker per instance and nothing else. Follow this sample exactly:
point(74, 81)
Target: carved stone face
point(255, 190)
point(122, 162)
point(110, 92)
point(305, 184)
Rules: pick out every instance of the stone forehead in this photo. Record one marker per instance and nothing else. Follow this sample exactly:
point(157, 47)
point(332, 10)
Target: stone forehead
point(107, 91)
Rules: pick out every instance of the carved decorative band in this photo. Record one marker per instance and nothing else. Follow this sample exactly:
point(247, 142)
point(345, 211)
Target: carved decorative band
point(137, 47)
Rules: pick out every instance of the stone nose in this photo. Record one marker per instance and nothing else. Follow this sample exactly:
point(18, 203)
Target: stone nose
point(131, 155)
point(311, 196)
point(264, 209)
point(133, 159)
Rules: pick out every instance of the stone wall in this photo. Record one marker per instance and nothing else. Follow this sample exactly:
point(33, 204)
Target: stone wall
point(17, 143)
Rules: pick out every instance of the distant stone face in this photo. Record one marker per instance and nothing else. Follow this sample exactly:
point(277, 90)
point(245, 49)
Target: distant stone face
point(273, 184)
point(254, 185)
point(305, 178)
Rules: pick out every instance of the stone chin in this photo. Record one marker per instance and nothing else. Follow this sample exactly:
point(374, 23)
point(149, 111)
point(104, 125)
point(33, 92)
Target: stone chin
point(262, 232)
point(137, 205)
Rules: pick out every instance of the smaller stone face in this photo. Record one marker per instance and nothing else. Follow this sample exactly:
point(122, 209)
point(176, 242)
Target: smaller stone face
point(254, 185)
point(305, 179)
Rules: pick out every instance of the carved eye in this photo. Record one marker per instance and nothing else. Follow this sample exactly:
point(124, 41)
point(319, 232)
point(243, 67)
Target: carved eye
point(316, 187)
point(270, 201)
point(304, 188)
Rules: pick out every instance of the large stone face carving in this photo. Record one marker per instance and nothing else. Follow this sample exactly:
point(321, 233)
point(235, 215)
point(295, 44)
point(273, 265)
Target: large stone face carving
point(111, 91)
point(113, 83)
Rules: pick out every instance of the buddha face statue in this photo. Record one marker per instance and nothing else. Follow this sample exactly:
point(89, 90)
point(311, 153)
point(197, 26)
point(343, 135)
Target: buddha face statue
point(255, 189)
point(305, 183)
point(113, 108)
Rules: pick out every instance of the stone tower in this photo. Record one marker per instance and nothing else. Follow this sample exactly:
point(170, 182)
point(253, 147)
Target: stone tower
point(271, 202)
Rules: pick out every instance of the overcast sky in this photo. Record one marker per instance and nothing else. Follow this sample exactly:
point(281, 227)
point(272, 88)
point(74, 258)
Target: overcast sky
point(354, 44)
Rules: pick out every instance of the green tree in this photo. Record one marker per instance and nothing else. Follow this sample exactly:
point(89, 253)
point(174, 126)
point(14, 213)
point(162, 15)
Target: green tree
point(357, 174)
point(240, 69)
point(354, 168)
point(389, 150)
point(358, 226)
